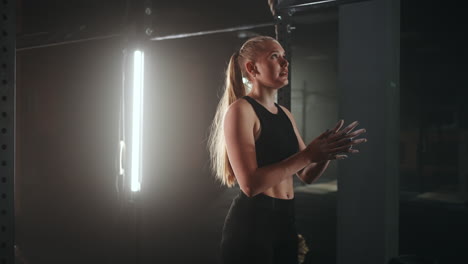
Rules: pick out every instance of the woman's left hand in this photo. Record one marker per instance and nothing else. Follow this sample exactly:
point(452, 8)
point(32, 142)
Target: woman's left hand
point(345, 137)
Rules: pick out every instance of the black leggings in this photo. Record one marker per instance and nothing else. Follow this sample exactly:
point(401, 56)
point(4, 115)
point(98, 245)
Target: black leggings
point(260, 230)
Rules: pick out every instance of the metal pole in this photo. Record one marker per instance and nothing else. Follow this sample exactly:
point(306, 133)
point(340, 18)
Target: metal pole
point(292, 8)
point(175, 36)
point(68, 42)
point(283, 35)
point(216, 31)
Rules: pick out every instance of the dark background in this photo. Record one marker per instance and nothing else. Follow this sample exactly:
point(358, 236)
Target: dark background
point(68, 209)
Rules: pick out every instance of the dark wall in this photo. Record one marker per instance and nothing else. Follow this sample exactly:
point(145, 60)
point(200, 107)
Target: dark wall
point(68, 209)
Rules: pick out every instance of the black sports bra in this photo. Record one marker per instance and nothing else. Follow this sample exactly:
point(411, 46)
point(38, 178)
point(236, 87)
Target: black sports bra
point(277, 140)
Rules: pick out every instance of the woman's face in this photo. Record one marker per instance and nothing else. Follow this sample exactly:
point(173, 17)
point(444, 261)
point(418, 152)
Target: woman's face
point(271, 66)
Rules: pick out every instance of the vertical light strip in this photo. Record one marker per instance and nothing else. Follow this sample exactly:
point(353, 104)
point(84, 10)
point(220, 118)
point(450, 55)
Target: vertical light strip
point(137, 119)
point(121, 157)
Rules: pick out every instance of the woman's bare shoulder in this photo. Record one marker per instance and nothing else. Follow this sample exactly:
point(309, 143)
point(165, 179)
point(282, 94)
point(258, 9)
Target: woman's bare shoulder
point(240, 106)
point(240, 112)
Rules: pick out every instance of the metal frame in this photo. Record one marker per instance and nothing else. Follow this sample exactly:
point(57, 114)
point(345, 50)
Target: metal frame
point(284, 11)
point(283, 35)
point(7, 129)
point(304, 5)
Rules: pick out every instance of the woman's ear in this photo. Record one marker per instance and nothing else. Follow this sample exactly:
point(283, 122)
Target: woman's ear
point(251, 69)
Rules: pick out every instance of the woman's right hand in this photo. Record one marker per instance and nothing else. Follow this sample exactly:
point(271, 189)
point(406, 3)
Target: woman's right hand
point(331, 143)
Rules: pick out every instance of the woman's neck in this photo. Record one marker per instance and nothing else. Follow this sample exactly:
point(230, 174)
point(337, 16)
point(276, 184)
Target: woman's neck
point(265, 96)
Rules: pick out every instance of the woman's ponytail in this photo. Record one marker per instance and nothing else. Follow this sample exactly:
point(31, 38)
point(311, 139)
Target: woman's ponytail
point(234, 89)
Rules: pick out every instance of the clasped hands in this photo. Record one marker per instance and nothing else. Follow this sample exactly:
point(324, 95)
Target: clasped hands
point(333, 144)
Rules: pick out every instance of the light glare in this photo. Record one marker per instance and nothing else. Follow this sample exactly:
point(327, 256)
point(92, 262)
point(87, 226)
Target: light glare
point(121, 153)
point(137, 119)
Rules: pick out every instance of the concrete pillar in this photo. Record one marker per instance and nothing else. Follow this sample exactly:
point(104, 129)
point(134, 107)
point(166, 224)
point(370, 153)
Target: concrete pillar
point(368, 84)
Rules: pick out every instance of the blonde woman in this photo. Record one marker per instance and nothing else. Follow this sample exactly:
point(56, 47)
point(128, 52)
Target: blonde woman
point(255, 143)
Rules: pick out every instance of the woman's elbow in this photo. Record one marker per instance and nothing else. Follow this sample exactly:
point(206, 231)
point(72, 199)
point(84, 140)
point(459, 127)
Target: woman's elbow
point(247, 191)
point(303, 179)
point(247, 185)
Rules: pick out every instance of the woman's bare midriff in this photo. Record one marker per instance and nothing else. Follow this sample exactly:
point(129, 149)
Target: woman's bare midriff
point(284, 190)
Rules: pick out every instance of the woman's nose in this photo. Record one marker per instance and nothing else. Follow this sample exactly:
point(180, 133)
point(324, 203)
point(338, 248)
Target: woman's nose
point(284, 62)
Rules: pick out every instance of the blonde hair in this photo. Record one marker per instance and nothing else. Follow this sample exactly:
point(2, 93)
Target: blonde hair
point(234, 89)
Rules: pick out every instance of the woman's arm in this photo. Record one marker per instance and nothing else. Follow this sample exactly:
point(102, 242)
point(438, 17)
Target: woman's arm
point(313, 170)
point(240, 143)
point(342, 141)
